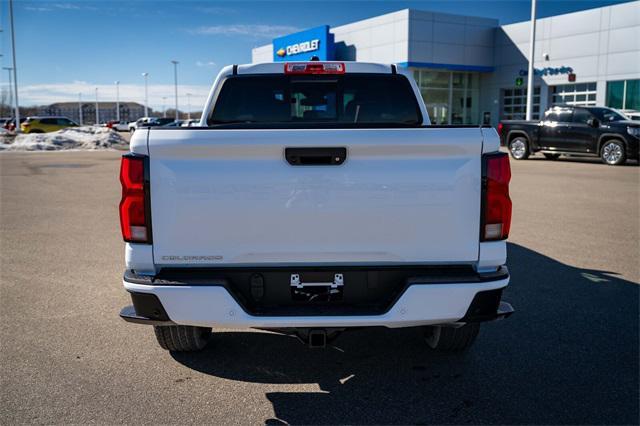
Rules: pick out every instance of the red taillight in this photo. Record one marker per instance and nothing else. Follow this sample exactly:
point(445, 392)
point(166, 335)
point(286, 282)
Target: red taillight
point(496, 204)
point(499, 129)
point(314, 68)
point(134, 218)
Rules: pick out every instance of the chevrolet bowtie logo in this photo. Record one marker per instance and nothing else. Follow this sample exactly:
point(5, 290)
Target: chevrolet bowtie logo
point(281, 52)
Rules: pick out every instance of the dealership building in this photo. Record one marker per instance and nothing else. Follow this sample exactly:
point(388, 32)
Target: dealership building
point(472, 70)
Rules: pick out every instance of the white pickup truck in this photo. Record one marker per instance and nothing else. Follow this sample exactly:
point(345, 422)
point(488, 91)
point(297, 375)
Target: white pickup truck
point(315, 197)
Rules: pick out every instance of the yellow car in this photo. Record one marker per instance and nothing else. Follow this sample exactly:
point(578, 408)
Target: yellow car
point(46, 124)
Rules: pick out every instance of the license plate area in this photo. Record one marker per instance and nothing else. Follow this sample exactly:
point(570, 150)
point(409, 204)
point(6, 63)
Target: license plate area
point(267, 291)
point(316, 287)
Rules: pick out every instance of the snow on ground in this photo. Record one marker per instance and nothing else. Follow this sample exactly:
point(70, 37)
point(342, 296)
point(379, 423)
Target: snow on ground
point(72, 138)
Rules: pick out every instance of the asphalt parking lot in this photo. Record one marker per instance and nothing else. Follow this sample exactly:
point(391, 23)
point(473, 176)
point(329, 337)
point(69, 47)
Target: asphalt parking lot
point(568, 355)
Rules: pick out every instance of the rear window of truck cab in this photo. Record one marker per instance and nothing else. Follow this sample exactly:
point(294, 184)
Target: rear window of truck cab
point(354, 100)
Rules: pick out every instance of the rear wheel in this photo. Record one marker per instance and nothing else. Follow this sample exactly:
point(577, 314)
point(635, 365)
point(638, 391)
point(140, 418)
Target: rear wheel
point(450, 339)
point(613, 153)
point(182, 338)
point(551, 156)
point(519, 148)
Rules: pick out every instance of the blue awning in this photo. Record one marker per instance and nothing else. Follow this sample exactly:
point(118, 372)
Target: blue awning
point(450, 67)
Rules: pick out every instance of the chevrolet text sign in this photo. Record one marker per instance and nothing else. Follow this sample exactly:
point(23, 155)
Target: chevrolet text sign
point(303, 45)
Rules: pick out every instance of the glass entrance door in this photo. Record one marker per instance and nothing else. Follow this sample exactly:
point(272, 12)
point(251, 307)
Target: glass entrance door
point(437, 103)
point(451, 97)
point(464, 98)
point(438, 113)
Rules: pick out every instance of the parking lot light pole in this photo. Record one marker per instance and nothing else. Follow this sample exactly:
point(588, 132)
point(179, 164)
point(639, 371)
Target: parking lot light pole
point(164, 106)
point(15, 71)
point(146, 94)
point(118, 100)
point(532, 46)
point(10, 101)
point(2, 105)
point(188, 106)
point(97, 109)
point(80, 107)
point(175, 82)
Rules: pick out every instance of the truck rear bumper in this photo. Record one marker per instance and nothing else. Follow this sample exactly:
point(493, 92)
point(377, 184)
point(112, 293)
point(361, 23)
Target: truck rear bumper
point(420, 304)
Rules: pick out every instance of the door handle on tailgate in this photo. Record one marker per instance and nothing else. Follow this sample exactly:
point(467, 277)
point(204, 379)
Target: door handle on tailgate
point(315, 156)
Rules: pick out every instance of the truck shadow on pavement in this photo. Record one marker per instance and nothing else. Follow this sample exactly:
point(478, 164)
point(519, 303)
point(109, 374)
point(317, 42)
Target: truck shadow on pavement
point(568, 355)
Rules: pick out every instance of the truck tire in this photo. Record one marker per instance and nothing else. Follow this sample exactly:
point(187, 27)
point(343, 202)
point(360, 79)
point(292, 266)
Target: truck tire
point(519, 148)
point(182, 338)
point(450, 339)
point(613, 153)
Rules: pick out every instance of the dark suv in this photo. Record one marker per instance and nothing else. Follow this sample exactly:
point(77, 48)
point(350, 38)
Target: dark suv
point(568, 130)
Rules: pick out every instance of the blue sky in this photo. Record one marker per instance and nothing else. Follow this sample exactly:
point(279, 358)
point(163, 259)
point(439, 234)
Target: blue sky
point(67, 47)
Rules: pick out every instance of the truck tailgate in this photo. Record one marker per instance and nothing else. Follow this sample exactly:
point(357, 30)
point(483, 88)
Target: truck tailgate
point(229, 197)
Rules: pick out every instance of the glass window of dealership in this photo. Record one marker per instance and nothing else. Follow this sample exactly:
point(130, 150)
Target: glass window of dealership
point(451, 97)
point(471, 70)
